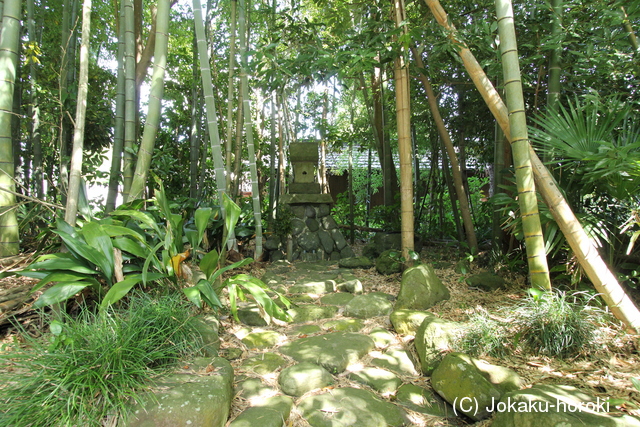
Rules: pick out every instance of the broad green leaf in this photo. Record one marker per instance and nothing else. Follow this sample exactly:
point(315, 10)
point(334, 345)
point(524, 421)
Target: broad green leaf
point(80, 248)
point(26, 273)
point(120, 289)
point(232, 213)
point(233, 304)
point(145, 267)
point(59, 292)
point(118, 230)
point(209, 263)
point(125, 244)
point(96, 237)
point(64, 276)
point(62, 261)
point(240, 263)
point(144, 218)
point(192, 237)
point(257, 289)
point(209, 294)
point(193, 295)
point(202, 216)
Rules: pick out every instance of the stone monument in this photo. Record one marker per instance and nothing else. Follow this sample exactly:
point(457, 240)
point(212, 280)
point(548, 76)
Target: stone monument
point(314, 233)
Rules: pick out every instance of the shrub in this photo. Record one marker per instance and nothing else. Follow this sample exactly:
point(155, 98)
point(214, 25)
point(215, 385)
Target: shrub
point(88, 368)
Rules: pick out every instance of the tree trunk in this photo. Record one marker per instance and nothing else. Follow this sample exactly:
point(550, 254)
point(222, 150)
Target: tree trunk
point(463, 200)
point(155, 103)
point(194, 139)
point(583, 247)
point(527, 199)
point(253, 170)
point(403, 112)
point(130, 97)
point(9, 45)
point(553, 90)
point(232, 54)
point(118, 132)
point(75, 170)
point(34, 115)
point(210, 105)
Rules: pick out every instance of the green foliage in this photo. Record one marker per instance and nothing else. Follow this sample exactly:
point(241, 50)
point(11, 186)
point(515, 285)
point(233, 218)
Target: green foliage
point(557, 324)
point(485, 336)
point(554, 324)
point(238, 285)
point(89, 368)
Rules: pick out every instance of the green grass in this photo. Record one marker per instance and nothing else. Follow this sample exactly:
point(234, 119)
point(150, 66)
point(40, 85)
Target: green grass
point(95, 363)
point(552, 324)
point(485, 336)
point(557, 324)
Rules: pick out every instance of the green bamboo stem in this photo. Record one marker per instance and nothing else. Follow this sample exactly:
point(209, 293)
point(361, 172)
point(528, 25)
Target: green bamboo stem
point(147, 144)
point(9, 45)
point(527, 199)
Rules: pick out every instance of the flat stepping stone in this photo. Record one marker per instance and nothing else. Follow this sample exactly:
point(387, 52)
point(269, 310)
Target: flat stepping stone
point(315, 287)
point(366, 306)
point(378, 379)
point(340, 299)
point(264, 339)
point(407, 322)
point(299, 379)
point(311, 312)
point(334, 351)
point(424, 401)
point(271, 412)
point(396, 360)
point(264, 363)
point(307, 330)
point(350, 407)
point(344, 325)
point(183, 399)
point(254, 388)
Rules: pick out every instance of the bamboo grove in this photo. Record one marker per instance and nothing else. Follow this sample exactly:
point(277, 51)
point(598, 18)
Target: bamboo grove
point(475, 122)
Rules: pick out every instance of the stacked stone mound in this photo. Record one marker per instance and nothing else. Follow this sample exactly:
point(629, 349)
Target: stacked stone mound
point(315, 235)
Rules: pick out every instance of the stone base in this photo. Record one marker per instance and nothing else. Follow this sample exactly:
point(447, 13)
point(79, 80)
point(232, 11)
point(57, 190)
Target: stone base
point(314, 234)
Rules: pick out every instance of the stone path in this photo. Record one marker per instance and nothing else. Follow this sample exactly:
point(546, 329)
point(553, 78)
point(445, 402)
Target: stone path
point(338, 364)
point(348, 359)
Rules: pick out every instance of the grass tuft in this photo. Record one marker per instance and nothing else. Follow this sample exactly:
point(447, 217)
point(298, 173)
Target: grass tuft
point(96, 363)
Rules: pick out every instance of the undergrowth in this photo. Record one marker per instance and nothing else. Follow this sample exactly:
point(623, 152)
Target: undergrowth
point(553, 324)
point(90, 367)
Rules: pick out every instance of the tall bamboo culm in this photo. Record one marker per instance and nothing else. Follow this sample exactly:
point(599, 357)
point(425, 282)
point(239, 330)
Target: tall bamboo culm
point(210, 105)
point(9, 39)
point(155, 103)
point(527, 199)
point(75, 170)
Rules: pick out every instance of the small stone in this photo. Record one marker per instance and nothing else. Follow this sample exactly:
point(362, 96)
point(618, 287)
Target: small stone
point(312, 224)
point(309, 211)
